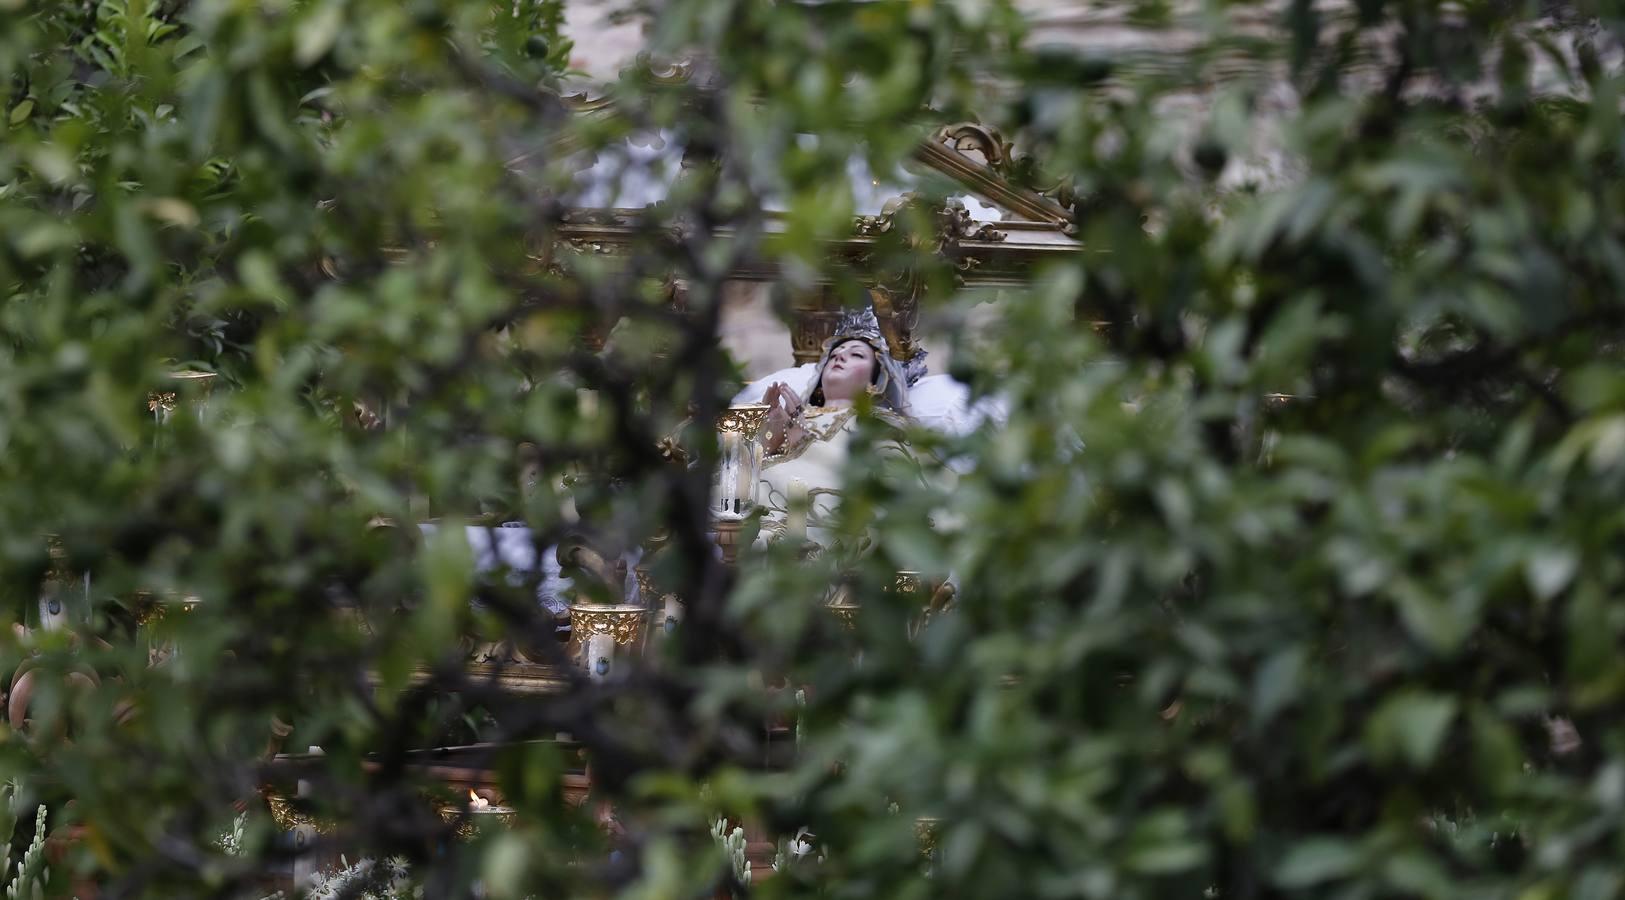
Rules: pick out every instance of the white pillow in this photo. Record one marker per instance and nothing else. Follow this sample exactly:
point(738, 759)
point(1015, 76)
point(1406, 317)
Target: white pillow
point(936, 401)
point(943, 404)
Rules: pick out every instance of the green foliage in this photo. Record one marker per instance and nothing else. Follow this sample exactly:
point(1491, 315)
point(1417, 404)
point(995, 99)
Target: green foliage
point(1359, 642)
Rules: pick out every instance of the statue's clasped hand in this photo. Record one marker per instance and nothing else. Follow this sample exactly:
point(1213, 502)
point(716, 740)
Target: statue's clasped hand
point(783, 414)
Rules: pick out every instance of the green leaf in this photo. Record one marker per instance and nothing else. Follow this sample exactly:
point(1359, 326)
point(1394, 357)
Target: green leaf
point(1549, 569)
point(1278, 683)
point(1497, 755)
point(1414, 873)
point(1439, 622)
point(505, 863)
point(316, 33)
point(20, 112)
point(1316, 861)
point(1411, 725)
point(1165, 858)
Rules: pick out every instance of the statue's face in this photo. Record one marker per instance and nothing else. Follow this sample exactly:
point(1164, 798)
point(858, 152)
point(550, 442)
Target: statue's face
point(850, 371)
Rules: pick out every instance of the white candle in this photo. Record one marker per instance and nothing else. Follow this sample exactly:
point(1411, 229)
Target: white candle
point(600, 650)
point(743, 476)
point(728, 478)
point(795, 521)
point(755, 471)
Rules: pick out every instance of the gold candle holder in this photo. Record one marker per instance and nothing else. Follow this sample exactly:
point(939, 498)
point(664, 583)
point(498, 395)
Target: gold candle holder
point(739, 431)
point(64, 595)
point(847, 613)
point(152, 606)
point(191, 387)
point(906, 582)
point(739, 434)
point(288, 815)
point(665, 607)
point(622, 623)
point(843, 607)
point(926, 831)
point(598, 631)
point(479, 813)
point(727, 538)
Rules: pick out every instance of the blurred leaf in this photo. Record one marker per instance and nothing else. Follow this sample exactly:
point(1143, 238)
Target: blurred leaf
point(1411, 725)
point(1549, 570)
point(1278, 683)
point(317, 31)
point(1317, 860)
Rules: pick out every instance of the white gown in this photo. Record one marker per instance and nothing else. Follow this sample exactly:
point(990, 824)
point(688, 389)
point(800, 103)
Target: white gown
point(937, 402)
point(819, 462)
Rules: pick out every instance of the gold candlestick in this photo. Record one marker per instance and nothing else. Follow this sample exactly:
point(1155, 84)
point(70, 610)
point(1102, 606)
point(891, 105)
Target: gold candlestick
point(727, 537)
point(191, 387)
point(739, 431)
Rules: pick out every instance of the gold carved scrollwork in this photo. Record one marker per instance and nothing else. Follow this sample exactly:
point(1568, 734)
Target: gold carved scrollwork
point(57, 574)
point(906, 583)
point(646, 584)
point(847, 613)
point(650, 593)
point(624, 624)
point(957, 225)
point(974, 137)
point(954, 223)
point(161, 402)
point(899, 315)
point(925, 831)
point(468, 826)
point(897, 296)
point(843, 607)
point(809, 330)
point(911, 585)
point(588, 246)
point(288, 816)
point(196, 385)
point(496, 653)
point(1004, 159)
point(745, 419)
point(671, 450)
point(150, 607)
point(813, 315)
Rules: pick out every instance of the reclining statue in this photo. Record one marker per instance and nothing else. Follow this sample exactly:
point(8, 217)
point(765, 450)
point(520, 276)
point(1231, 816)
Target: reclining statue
point(808, 438)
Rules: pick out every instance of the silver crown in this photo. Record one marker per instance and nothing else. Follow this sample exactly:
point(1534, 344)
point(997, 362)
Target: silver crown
point(861, 324)
point(865, 326)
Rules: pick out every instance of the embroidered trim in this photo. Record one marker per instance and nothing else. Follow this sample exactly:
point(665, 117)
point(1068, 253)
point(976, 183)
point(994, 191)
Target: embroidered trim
point(810, 433)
